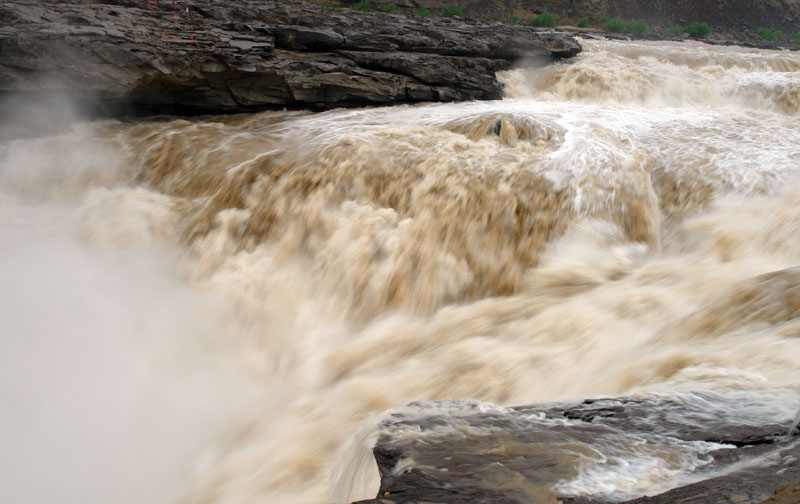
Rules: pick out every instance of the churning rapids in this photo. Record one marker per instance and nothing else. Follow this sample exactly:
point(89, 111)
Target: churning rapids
point(221, 310)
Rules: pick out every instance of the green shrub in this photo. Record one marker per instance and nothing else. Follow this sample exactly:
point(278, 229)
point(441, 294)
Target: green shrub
point(515, 18)
point(637, 27)
point(770, 34)
point(797, 38)
point(619, 26)
point(455, 10)
point(583, 23)
point(334, 5)
point(674, 31)
point(423, 12)
point(363, 5)
point(387, 7)
point(544, 19)
point(614, 25)
point(698, 30)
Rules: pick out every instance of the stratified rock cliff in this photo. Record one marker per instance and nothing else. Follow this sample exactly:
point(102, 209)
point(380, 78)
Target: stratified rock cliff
point(241, 55)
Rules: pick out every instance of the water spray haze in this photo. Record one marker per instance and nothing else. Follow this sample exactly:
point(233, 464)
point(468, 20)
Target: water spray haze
point(38, 114)
point(114, 376)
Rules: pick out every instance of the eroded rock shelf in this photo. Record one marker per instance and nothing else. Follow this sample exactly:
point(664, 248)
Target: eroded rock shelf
point(240, 56)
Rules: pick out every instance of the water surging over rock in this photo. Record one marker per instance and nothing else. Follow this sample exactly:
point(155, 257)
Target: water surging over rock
point(668, 74)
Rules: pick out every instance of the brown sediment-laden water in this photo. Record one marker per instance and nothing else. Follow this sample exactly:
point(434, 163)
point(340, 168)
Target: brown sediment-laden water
point(221, 309)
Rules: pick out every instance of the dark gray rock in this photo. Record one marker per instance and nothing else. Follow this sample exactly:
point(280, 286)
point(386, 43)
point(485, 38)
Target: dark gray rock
point(463, 454)
point(243, 55)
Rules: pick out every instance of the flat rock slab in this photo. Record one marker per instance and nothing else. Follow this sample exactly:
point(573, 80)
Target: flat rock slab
point(242, 55)
point(464, 452)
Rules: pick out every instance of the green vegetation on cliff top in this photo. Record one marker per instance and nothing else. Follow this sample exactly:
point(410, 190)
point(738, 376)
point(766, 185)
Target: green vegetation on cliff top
point(452, 10)
point(544, 19)
point(617, 25)
point(698, 30)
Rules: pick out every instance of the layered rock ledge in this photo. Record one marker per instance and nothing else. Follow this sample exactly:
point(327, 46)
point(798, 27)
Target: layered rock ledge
point(242, 55)
point(464, 453)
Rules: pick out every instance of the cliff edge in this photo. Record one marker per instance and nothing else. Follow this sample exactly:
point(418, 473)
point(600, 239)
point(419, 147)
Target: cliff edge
point(240, 56)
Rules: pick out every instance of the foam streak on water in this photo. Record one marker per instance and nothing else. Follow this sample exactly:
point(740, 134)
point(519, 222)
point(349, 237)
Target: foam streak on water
point(623, 223)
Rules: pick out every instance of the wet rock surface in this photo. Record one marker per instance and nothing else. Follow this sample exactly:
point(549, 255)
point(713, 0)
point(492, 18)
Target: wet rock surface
point(522, 454)
point(240, 55)
point(786, 494)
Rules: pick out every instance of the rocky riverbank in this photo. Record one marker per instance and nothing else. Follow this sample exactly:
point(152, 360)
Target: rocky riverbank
point(204, 57)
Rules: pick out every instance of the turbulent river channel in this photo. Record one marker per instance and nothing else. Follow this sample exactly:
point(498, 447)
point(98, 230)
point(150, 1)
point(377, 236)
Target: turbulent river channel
point(225, 309)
